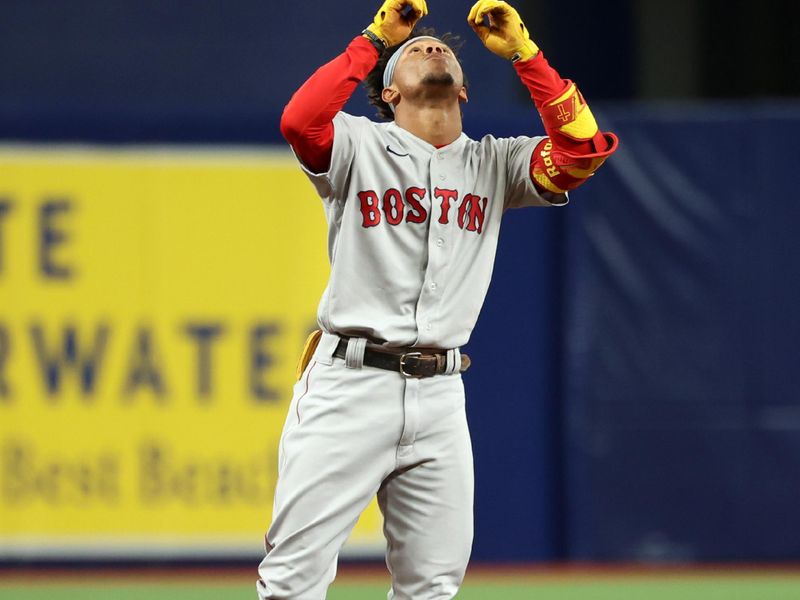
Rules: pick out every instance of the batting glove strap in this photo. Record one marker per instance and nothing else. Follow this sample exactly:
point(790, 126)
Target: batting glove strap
point(380, 44)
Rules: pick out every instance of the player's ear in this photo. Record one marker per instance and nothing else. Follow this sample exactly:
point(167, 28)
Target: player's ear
point(390, 95)
point(462, 95)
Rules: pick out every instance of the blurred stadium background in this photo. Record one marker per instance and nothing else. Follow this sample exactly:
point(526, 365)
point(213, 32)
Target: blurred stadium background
point(634, 400)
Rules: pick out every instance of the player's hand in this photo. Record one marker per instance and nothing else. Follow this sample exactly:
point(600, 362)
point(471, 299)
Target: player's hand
point(396, 18)
point(505, 35)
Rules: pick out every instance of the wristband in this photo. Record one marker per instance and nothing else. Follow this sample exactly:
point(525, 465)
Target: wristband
point(379, 44)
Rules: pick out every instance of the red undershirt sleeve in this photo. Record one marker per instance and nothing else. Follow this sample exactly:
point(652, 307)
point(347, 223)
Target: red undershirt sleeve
point(307, 121)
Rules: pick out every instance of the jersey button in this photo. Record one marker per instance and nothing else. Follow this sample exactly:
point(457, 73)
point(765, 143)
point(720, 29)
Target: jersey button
point(428, 327)
point(442, 176)
point(440, 242)
point(433, 285)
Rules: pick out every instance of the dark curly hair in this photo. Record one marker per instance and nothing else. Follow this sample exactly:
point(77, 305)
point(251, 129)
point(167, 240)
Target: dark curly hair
point(374, 81)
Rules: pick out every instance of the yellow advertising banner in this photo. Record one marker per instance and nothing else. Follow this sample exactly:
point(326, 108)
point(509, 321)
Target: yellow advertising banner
point(152, 307)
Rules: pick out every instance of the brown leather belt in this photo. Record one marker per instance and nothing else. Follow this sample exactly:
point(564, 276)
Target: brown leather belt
point(411, 363)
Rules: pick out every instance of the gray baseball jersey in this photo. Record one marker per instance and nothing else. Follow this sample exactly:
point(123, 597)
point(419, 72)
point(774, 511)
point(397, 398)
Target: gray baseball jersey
point(412, 237)
point(413, 229)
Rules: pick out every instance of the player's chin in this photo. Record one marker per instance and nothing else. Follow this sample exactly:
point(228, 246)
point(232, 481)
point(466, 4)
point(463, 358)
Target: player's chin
point(441, 78)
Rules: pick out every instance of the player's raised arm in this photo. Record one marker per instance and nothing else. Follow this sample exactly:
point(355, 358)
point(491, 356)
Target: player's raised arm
point(307, 121)
point(576, 147)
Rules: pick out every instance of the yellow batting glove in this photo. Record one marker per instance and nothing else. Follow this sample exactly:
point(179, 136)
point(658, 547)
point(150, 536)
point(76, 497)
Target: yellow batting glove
point(396, 18)
point(505, 35)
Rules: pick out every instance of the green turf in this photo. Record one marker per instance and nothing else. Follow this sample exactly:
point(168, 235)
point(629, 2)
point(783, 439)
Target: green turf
point(709, 588)
point(788, 589)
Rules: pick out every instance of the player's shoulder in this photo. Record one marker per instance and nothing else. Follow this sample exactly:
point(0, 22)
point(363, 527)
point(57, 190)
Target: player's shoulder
point(489, 144)
point(343, 118)
point(490, 140)
point(358, 126)
point(504, 145)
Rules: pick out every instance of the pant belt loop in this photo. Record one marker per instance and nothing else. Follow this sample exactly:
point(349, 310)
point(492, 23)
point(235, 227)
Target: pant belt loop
point(355, 353)
point(453, 361)
point(326, 348)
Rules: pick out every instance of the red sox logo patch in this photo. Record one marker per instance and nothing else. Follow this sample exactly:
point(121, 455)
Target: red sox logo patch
point(394, 207)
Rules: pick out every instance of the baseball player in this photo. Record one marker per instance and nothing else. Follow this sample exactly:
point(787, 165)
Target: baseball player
point(414, 208)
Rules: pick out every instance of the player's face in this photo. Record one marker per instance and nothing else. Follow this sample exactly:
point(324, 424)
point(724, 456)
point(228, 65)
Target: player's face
point(429, 64)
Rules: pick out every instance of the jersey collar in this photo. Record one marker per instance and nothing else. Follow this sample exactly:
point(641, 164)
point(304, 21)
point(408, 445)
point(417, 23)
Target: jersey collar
point(410, 139)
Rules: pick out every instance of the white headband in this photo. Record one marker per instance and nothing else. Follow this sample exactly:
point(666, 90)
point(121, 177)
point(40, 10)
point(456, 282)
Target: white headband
point(388, 73)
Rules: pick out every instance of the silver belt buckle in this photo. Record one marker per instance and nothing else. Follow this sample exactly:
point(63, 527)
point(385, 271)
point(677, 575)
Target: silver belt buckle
point(403, 364)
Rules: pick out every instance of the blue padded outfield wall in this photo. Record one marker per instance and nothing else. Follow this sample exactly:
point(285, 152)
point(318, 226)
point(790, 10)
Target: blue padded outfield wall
point(681, 393)
point(656, 322)
point(635, 391)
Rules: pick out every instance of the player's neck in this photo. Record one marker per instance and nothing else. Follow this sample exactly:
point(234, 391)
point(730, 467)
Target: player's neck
point(437, 125)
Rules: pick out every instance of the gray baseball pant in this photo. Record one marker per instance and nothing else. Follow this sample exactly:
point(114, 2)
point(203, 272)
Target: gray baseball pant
point(353, 432)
